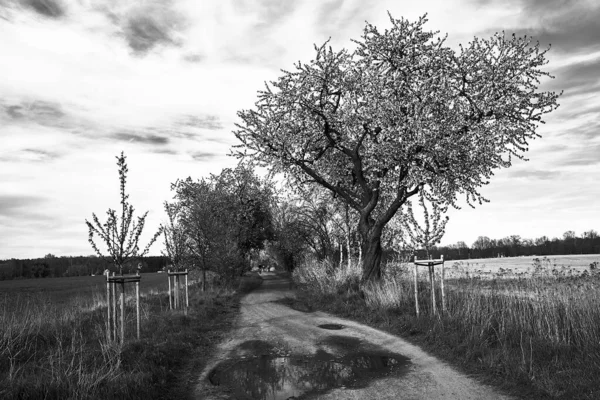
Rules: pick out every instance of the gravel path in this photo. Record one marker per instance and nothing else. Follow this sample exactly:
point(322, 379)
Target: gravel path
point(269, 328)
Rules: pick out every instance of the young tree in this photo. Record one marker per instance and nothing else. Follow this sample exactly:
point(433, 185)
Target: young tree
point(408, 234)
point(175, 237)
point(401, 112)
point(121, 236)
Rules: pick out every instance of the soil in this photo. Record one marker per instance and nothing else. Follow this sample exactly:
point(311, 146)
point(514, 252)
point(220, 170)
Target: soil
point(277, 352)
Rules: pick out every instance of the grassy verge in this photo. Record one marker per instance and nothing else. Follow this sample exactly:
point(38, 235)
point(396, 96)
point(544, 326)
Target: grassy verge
point(62, 352)
point(534, 338)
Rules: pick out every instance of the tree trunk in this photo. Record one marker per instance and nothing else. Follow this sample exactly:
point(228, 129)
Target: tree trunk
point(372, 253)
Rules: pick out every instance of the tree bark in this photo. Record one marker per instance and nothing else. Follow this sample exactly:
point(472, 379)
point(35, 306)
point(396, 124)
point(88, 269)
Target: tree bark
point(371, 248)
point(372, 258)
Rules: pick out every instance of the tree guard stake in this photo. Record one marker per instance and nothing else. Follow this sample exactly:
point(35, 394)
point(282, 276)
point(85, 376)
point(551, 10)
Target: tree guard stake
point(430, 264)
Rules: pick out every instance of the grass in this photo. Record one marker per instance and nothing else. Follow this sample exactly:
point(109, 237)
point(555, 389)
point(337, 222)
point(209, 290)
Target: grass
point(59, 350)
point(533, 336)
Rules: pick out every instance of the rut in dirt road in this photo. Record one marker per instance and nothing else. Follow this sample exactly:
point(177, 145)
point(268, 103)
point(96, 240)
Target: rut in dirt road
point(276, 352)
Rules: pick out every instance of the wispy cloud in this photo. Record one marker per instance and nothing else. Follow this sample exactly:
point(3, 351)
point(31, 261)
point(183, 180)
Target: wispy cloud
point(211, 122)
point(37, 111)
point(204, 155)
point(46, 8)
point(534, 174)
point(155, 140)
point(582, 156)
point(570, 26)
point(21, 207)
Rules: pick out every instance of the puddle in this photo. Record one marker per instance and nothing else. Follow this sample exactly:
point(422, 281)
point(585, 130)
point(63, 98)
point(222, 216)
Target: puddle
point(276, 377)
point(332, 327)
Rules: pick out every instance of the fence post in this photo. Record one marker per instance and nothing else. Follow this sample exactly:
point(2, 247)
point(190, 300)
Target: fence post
point(416, 288)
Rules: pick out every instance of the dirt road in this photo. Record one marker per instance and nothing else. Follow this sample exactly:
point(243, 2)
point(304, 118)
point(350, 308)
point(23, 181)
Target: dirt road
point(276, 352)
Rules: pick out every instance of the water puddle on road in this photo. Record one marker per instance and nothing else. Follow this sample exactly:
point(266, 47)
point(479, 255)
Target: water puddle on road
point(275, 377)
point(331, 327)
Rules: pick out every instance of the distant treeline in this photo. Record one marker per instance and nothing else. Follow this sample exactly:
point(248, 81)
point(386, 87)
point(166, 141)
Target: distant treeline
point(515, 246)
point(52, 266)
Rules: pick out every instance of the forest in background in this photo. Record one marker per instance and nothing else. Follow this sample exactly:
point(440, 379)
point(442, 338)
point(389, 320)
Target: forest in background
point(51, 266)
point(320, 240)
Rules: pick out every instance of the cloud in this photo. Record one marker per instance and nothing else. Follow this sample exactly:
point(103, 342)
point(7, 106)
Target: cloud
point(17, 207)
point(143, 32)
point(203, 155)
point(46, 8)
point(582, 156)
point(151, 139)
point(40, 112)
point(204, 122)
point(570, 26)
point(576, 78)
point(534, 174)
point(193, 57)
point(31, 155)
point(147, 25)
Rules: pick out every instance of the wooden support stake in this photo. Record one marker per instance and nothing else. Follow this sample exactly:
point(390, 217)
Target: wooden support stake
point(416, 289)
point(442, 285)
point(137, 306)
point(432, 285)
point(108, 307)
point(176, 285)
point(187, 298)
point(123, 312)
point(114, 307)
point(170, 300)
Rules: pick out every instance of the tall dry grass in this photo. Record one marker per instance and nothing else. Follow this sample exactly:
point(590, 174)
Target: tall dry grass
point(542, 330)
point(60, 351)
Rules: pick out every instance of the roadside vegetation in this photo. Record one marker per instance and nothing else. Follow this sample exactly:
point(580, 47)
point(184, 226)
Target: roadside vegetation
point(535, 336)
point(50, 351)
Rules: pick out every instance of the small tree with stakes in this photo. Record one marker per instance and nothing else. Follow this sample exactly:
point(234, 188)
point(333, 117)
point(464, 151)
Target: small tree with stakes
point(121, 237)
point(422, 237)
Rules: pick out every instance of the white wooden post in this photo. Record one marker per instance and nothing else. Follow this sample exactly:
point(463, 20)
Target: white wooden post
point(416, 288)
point(170, 299)
point(442, 286)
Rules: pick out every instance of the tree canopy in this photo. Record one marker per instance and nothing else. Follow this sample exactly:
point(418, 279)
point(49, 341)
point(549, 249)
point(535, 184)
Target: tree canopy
point(223, 218)
point(400, 112)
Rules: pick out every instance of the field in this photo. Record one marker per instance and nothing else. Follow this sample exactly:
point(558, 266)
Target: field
point(510, 267)
point(53, 342)
point(63, 290)
point(529, 325)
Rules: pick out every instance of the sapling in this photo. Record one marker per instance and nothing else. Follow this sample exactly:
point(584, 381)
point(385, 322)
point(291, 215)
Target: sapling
point(121, 235)
point(175, 237)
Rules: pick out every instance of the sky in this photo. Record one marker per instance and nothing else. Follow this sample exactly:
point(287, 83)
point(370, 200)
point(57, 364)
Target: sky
point(83, 80)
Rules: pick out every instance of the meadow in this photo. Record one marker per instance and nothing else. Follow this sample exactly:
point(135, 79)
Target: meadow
point(530, 326)
point(53, 342)
point(62, 290)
